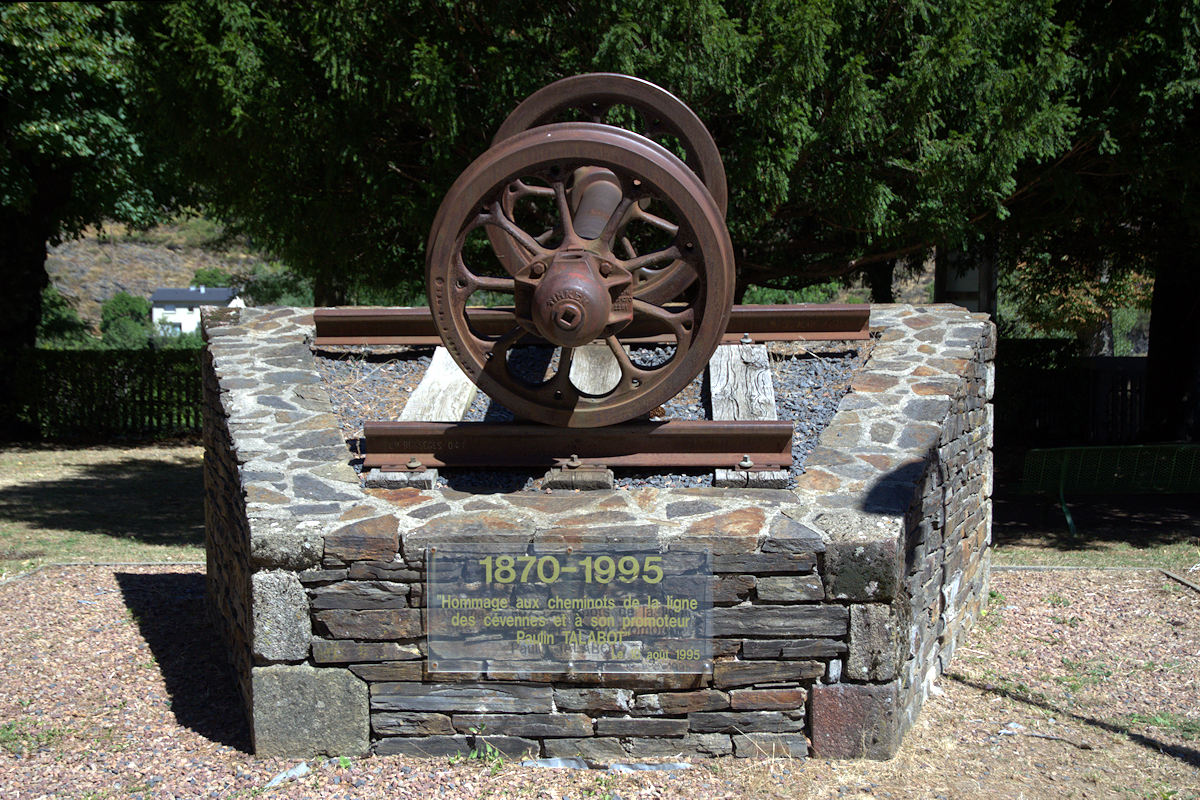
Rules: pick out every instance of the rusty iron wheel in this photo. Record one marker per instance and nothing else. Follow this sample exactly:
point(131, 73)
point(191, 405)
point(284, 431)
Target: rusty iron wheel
point(663, 115)
point(548, 161)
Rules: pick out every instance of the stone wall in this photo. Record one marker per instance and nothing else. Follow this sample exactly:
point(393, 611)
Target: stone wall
point(835, 604)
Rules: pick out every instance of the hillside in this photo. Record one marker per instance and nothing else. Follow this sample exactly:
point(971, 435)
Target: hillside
point(90, 270)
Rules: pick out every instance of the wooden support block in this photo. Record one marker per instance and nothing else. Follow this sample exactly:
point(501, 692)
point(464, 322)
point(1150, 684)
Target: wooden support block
point(443, 395)
point(739, 379)
point(594, 369)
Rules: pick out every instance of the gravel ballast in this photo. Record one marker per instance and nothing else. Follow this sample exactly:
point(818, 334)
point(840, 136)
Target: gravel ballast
point(808, 381)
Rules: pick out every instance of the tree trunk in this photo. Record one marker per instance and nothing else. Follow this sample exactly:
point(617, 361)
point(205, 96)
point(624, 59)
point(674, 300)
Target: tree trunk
point(23, 265)
point(329, 290)
point(1173, 369)
point(1099, 340)
point(967, 277)
point(880, 275)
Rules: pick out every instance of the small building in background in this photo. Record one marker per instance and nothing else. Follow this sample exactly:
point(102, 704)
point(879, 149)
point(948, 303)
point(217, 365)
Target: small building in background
point(178, 310)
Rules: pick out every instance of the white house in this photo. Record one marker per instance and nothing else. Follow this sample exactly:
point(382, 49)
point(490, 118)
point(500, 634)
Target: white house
point(178, 310)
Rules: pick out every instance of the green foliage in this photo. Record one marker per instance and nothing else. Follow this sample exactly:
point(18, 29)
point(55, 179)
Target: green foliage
point(21, 736)
point(851, 132)
point(126, 334)
point(1120, 203)
point(815, 293)
point(123, 305)
point(61, 327)
point(68, 157)
point(1181, 725)
point(1130, 329)
point(164, 340)
point(272, 284)
point(212, 276)
point(125, 322)
point(486, 752)
point(1056, 293)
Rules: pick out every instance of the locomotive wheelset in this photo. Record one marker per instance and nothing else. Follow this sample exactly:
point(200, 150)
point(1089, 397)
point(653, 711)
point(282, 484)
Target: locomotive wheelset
point(582, 227)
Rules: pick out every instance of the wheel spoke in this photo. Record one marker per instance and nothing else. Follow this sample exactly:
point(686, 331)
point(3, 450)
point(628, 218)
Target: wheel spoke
point(680, 322)
point(562, 377)
point(467, 282)
point(655, 220)
point(564, 208)
point(629, 370)
point(630, 251)
point(497, 351)
point(488, 284)
point(524, 189)
point(650, 259)
point(498, 218)
point(616, 220)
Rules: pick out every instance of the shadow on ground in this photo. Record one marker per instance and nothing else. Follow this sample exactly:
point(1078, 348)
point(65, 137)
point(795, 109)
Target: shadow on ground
point(170, 613)
point(1141, 521)
point(146, 499)
point(1185, 754)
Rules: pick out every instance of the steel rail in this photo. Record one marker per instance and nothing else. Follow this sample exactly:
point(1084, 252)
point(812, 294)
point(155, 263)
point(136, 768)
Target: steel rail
point(408, 446)
point(364, 326)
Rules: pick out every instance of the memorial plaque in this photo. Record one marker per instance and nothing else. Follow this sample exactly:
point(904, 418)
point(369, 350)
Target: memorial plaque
point(585, 608)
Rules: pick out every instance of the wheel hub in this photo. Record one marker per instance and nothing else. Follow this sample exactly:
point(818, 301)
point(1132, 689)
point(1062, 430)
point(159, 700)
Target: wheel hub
point(575, 299)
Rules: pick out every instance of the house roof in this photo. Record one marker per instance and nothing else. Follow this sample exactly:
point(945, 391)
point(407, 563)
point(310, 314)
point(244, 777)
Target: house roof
point(193, 296)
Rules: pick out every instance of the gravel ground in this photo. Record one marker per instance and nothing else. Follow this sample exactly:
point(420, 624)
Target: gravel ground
point(809, 383)
point(113, 687)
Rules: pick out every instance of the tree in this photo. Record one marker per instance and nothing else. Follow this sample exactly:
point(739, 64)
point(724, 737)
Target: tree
point(125, 322)
point(853, 133)
point(60, 326)
point(212, 276)
point(1123, 200)
point(68, 158)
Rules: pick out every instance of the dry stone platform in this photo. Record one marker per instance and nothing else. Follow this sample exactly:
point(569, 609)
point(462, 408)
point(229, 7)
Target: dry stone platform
point(835, 603)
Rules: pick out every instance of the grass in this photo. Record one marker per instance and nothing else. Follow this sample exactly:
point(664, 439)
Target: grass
point(1082, 674)
point(1177, 557)
point(184, 231)
point(21, 736)
point(1155, 531)
point(100, 504)
point(1184, 727)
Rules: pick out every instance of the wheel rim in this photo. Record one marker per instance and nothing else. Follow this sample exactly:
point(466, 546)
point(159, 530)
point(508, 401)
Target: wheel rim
point(595, 94)
point(548, 158)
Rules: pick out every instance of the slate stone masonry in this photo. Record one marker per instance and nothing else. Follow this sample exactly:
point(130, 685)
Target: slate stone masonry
point(836, 603)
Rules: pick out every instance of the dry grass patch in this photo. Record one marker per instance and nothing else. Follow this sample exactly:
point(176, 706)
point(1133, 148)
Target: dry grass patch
point(61, 504)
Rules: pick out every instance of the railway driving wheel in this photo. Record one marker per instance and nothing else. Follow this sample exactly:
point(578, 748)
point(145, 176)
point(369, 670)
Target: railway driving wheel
point(573, 285)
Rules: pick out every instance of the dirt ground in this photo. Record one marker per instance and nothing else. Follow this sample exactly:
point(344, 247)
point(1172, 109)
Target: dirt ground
point(1074, 684)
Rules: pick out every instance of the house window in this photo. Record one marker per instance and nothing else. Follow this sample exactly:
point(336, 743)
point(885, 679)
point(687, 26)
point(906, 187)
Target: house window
point(168, 309)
